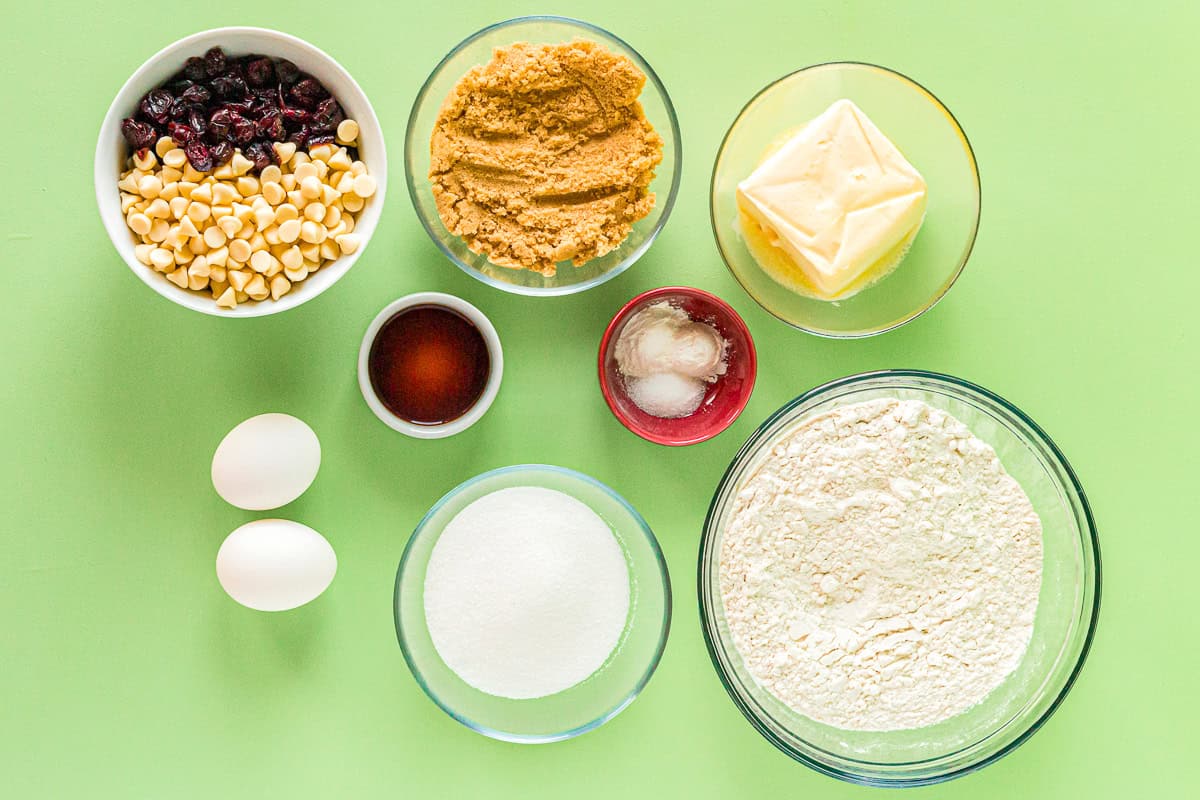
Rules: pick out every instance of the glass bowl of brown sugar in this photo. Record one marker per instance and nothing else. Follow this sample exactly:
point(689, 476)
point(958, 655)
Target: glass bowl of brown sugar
point(529, 175)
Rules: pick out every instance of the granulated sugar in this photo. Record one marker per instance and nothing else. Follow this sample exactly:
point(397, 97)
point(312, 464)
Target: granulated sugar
point(526, 592)
point(880, 570)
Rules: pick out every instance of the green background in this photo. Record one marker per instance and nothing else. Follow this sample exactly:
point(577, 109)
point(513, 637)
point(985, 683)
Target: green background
point(125, 671)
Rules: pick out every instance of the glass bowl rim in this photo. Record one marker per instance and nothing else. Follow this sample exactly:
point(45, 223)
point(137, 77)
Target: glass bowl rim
point(647, 673)
point(958, 387)
point(964, 257)
point(625, 263)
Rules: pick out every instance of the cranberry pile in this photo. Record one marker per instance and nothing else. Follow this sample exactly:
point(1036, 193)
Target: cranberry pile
point(217, 103)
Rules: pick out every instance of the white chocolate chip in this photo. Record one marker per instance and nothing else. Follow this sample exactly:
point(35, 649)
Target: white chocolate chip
point(199, 212)
point(273, 193)
point(179, 277)
point(239, 251)
point(158, 231)
point(348, 242)
point(163, 146)
point(257, 288)
point(240, 164)
point(223, 194)
point(161, 258)
point(311, 232)
point(238, 278)
point(229, 225)
point(150, 186)
point(262, 261)
point(215, 236)
point(284, 151)
point(314, 211)
point(347, 132)
point(340, 160)
point(247, 185)
point(264, 216)
point(174, 158)
point(310, 187)
point(227, 300)
point(139, 223)
point(364, 186)
point(187, 228)
point(279, 287)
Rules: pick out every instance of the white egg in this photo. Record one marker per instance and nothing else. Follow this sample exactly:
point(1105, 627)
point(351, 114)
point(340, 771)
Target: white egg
point(266, 462)
point(275, 564)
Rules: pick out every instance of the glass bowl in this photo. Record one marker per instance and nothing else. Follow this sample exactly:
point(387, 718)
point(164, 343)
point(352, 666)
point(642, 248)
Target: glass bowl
point(925, 132)
point(584, 706)
point(1068, 603)
point(477, 49)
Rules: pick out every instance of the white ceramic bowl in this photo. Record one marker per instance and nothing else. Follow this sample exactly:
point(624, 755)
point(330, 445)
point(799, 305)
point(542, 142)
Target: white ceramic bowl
point(495, 353)
point(112, 150)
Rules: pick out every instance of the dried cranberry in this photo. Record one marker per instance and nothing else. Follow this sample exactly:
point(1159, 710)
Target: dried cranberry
point(243, 130)
point(199, 156)
point(263, 155)
point(195, 69)
point(221, 152)
point(178, 85)
point(299, 136)
point(308, 92)
point(196, 119)
point(230, 87)
point(260, 72)
point(214, 62)
point(179, 108)
point(328, 115)
point(260, 107)
point(182, 134)
point(219, 124)
point(138, 134)
point(271, 126)
point(156, 106)
point(196, 94)
point(287, 72)
point(295, 114)
point(320, 138)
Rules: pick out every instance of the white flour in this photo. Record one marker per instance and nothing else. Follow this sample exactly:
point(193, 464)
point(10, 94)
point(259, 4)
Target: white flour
point(880, 570)
point(526, 592)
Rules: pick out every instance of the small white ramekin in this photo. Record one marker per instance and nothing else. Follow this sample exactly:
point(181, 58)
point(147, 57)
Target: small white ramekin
point(495, 353)
point(112, 150)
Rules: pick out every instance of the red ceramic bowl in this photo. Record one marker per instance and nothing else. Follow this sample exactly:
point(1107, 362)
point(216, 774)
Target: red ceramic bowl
point(725, 398)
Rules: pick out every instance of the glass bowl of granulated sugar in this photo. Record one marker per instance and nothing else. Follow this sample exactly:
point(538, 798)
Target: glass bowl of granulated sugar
point(532, 603)
point(899, 578)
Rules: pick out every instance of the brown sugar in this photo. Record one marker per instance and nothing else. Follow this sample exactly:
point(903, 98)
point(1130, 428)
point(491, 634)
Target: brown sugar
point(544, 155)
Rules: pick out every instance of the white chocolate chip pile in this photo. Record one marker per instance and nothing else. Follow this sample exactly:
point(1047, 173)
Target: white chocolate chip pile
point(239, 236)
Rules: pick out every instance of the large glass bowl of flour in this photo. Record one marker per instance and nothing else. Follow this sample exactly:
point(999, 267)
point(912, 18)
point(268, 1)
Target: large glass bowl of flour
point(584, 704)
point(1062, 629)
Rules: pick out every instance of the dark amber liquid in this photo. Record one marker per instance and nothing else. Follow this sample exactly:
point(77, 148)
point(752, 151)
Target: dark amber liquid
point(429, 364)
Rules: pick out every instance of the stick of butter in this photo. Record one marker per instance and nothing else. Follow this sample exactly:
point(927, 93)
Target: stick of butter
point(838, 198)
